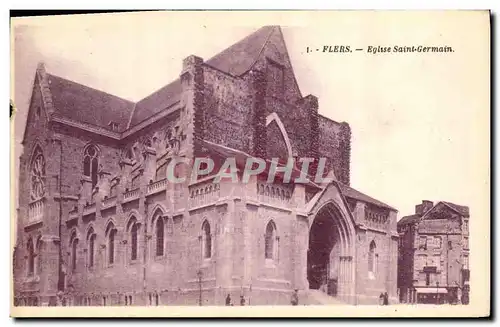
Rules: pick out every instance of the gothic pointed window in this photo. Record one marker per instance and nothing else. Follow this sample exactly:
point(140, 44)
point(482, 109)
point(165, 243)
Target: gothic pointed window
point(74, 249)
point(206, 240)
point(270, 237)
point(133, 241)
point(37, 174)
point(111, 232)
point(91, 163)
point(91, 238)
point(372, 258)
point(31, 258)
point(160, 236)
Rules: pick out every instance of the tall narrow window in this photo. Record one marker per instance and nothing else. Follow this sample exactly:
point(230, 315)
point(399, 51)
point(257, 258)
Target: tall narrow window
point(371, 257)
point(111, 243)
point(91, 247)
point(37, 175)
point(133, 241)
point(31, 258)
point(269, 240)
point(74, 247)
point(160, 235)
point(38, 256)
point(207, 240)
point(91, 163)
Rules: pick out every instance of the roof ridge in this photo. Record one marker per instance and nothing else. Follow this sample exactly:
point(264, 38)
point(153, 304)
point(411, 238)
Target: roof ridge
point(273, 27)
point(90, 87)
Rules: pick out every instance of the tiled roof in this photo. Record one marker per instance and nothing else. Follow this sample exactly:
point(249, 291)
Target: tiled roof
point(355, 194)
point(463, 210)
point(240, 57)
point(156, 102)
point(88, 105)
point(409, 219)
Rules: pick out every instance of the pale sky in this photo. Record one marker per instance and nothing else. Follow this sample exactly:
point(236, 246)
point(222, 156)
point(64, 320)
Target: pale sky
point(420, 122)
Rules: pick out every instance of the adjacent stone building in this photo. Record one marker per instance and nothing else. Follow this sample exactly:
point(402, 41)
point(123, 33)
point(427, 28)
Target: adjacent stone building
point(99, 224)
point(433, 265)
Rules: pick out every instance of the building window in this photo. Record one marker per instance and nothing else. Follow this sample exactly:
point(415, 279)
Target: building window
point(372, 258)
point(91, 163)
point(111, 232)
point(206, 240)
point(74, 247)
point(269, 239)
point(91, 237)
point(466, 262)
point(133, 242)
point(423, 242)
point(37, 178)
point(31, 258)
point(466, 226)
point(466, 242)
point(160, 236)
point(438, 242)
point(427, 279)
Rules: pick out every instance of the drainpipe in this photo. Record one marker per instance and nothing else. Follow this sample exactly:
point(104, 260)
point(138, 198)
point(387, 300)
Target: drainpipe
point(144, 252)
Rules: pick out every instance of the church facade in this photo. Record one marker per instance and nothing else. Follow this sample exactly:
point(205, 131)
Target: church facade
point(99, 223)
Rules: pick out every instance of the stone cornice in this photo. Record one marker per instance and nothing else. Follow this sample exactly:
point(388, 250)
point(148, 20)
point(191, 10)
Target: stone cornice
point(87, 127)
point(111, 134)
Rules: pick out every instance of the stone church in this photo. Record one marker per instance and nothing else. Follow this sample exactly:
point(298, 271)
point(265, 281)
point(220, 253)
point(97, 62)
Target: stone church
point(99, 223)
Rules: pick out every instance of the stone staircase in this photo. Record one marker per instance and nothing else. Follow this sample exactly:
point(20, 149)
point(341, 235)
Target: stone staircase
point(317, 297)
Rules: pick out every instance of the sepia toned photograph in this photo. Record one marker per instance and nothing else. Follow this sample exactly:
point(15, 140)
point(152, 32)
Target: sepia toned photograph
point(227, 163)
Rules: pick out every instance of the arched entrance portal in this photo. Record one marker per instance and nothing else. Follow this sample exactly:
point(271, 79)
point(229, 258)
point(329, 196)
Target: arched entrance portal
point(329, 256)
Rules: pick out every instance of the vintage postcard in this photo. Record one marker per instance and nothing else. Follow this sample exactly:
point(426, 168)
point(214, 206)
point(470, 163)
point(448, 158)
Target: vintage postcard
point(272, 164)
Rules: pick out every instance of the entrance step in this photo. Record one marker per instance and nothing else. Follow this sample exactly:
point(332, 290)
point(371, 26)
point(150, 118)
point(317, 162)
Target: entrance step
point(317, 297)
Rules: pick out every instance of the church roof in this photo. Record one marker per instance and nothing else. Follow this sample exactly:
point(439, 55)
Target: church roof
point(350, 192)
point(88, 105)
point(156, 102)
point(241, 56)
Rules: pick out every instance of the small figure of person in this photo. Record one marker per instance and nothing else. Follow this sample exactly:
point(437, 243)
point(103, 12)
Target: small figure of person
point(386, 298)
point(295, 297)
point(228, 300)
point(381, 299)
point(242, 300)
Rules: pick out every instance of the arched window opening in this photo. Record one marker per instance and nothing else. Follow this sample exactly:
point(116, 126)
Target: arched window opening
point(37, 175)
point(31, 258)
point(38, 256)
point(133, 241)
point(207, 240)
point(111, 232)
point(91, 163)
point(91, 237)
point(270, 237)
point(372, 258)
point(160, 236)
point(74, 248)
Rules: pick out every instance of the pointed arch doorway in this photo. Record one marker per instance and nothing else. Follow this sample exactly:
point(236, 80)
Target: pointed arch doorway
point(329, 256)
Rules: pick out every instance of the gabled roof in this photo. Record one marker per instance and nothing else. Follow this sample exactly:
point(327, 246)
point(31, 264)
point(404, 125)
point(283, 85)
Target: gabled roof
point(241, 56)
point(88, 105)
point(462, 210)
point(349, 192)
point(409, 219)
point(156, 102)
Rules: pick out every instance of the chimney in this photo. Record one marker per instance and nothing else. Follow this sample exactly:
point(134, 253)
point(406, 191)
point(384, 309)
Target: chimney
point(421, 209)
